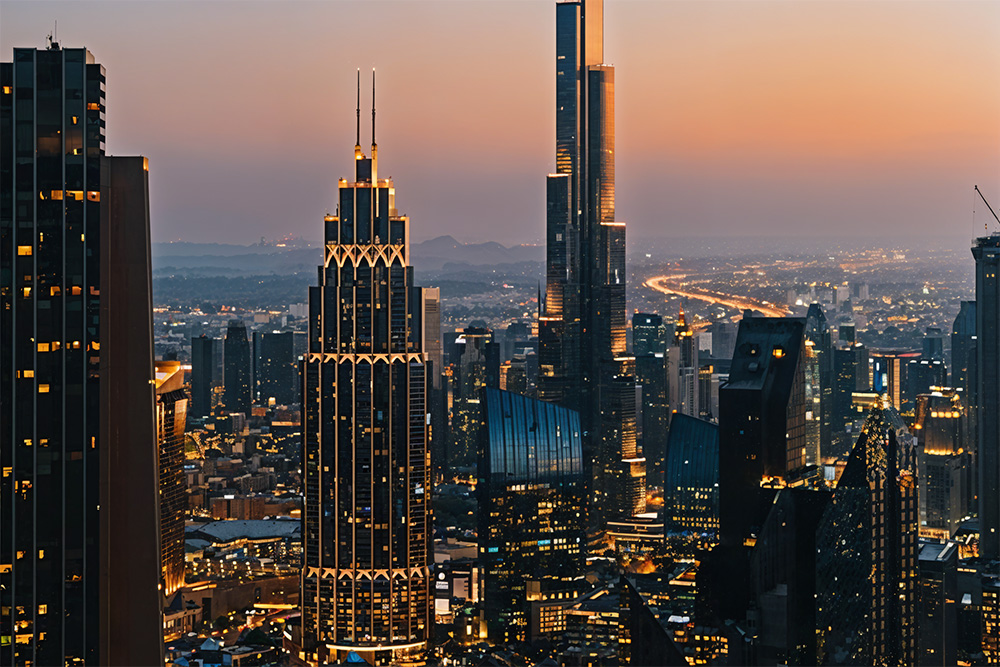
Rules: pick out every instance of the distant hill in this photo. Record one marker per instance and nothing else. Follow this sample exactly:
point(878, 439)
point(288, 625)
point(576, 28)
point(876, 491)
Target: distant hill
point(207, 259)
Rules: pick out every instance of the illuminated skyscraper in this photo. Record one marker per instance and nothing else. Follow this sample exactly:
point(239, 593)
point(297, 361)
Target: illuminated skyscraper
point(682, 366)
point(582, 357)
point(867, 549)
point(171, 419)
point(945, 462)
point(239, 372)
point(987, 254)
point(79, 511)
point(366, 464)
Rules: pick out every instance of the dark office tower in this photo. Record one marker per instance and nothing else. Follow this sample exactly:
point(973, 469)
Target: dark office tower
point(762, 435)
point(582, 356)
point(238, 373)
point(649, 336)
point(205, 353)
point(366, 464)
point(79, 511)
point(963, 344)
point(987, 253)
point(889, 374)
point(850, 374)
point(432, 333)
point(933, 344)
point(819, 340)
point(516, 337)
point(171, 419)
point(473, 371)
point(945, 463)
point(651, 375)
point(847, 333)
point(723, 339)
point(866, 550)
point(691, 482)
point(531, 496)
point(923, 375)
point(937, 603)
point(276, 367)
point(682, 365)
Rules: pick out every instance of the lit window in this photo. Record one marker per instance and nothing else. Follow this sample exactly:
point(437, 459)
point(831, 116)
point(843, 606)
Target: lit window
point(41, 554)
point(43, 389)
point(57, 194)
point(26, 292)
point(43, 347)
point(54, 290)
point(43, 609)
point(24, 250)
point(93, 195)
point(6, 90)
point(75, 194)
point(75, 291)
point(93, 106)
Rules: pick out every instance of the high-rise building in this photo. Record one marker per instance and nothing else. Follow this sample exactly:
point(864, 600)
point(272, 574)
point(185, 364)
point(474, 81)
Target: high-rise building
point(206, 357)
point(987, 253)
point(889, 374)
point(963, 345)
point(582, 355)
point(937, 602)
point(171, 420)
point(649, 335)
point(762, 434)
point(474, 371)
point(532, 496)
point(945, 462)
point(683, 366)
point(866, 550)
point(366, 464)
point(276, 366)
point(651, 376)
point(723, 339)
point(432, 334)
point(850, 374)
point(691, 481)
point(239, 373)
point(79, 510)
point(819, 344)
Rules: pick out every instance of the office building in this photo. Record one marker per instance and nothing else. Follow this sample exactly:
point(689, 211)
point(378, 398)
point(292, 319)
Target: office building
point(238, 371)
point(922, 374)
point(946, 465)
point(532, 496)
point(432, 334)
point(206, 375)
point(582, 354)
point(366, 464)
point(651, 376)
point(691, 481)
point(171, 421)
point(723, 339)
point(649, 335)
point(987, 254)
point(276, 367)
point(682, 365)
point(889, 374)
point(850, 375)
point(937, 603)
point(963, 346)
point(866, 550)
point(819, 344)
point(762, 434)
point(79, 510)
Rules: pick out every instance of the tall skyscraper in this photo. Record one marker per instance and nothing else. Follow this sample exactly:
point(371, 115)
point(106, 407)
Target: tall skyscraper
point(171, 420)
point(366, 465)
point(945, 462)
point(987, 253)
point(582, 356)
point(239, 373)
point(206, 354)
point(963, 345)
point(818, 338)
point(682, 366)
point(649, 335)
point(691, 481)
point(276, 367)
point(867, 549)
point(531, 499)
point(79, 511)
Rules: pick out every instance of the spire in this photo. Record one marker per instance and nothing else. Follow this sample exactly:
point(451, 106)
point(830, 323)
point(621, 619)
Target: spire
point(680, 318)
point(374, 145)
point(357, 141)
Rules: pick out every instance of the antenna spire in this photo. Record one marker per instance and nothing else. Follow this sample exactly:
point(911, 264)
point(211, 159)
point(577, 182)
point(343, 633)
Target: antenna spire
point(373, 107)
point(357, 141)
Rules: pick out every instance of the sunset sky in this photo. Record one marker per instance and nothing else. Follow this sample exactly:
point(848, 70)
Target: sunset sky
point(743, 118)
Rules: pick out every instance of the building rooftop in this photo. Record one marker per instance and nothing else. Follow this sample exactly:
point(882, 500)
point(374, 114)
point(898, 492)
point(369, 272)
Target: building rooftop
point(230, 531)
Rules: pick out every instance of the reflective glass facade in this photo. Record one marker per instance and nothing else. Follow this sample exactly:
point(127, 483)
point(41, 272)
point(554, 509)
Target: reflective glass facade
point(366, 463)
point(691, 485)
point(532, 494)
point(171, 420)
point(238, 371)
point(987, 254)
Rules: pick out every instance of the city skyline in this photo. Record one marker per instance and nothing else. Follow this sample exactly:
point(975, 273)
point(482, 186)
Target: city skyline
point(808, 119)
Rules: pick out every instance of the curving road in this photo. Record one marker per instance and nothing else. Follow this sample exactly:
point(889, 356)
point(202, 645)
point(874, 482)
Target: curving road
point(667, 285)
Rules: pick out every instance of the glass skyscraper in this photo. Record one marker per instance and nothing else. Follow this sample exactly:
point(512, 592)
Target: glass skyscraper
point(79, 509)
point(987, 396)
point(531, 501)
point(366, 463)
point(582, 356)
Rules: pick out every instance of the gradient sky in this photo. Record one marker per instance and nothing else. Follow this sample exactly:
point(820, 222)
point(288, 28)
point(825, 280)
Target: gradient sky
point(805, 118)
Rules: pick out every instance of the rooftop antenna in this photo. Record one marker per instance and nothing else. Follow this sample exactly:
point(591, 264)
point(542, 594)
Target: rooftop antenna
point(374, 145)
point(357, 141)
point(987, 206)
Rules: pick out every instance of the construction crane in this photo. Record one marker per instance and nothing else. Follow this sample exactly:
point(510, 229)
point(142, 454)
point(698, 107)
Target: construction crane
point(983, 197)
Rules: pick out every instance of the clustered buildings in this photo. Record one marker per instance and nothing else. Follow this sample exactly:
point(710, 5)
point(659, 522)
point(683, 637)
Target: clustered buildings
point(348, 483)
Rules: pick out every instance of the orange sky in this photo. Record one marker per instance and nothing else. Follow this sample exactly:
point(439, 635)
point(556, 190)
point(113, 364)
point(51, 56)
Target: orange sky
point(751, 118)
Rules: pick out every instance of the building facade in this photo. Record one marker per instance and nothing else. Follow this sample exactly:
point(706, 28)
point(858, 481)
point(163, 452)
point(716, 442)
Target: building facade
point(987, 253)
point(79, 512)
point(366, 463)
point(532, 496)
point(238, 376)
point(171, 422)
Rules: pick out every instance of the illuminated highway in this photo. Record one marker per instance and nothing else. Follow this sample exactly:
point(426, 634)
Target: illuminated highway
point(670, 285)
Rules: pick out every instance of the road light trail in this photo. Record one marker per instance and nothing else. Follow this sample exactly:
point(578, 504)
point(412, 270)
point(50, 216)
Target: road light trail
point(662, 284)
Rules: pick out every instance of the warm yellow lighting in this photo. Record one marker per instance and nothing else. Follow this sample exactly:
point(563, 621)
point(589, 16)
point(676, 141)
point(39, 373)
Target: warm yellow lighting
point(56, 194)
point(778, 353)
point(93, 106)
point(24, 250)
point(43, 389)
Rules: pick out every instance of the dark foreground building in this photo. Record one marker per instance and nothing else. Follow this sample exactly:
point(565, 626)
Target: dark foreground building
point(79, 511)
point(531, 496)
point(366, 463)
point(987, 254)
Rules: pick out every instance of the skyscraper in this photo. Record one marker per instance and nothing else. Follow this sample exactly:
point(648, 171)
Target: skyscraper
point(531, 499)
point(683, 368)
point(79, 512)
point(867, 549)
point(582, 356)
point(649, 336)
point(987, 253)
point(205, 356)
point(238, 373)
point(276, 368)
point(171, 420)
point(945, 462)
point(366, 464)
point(963, 345)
